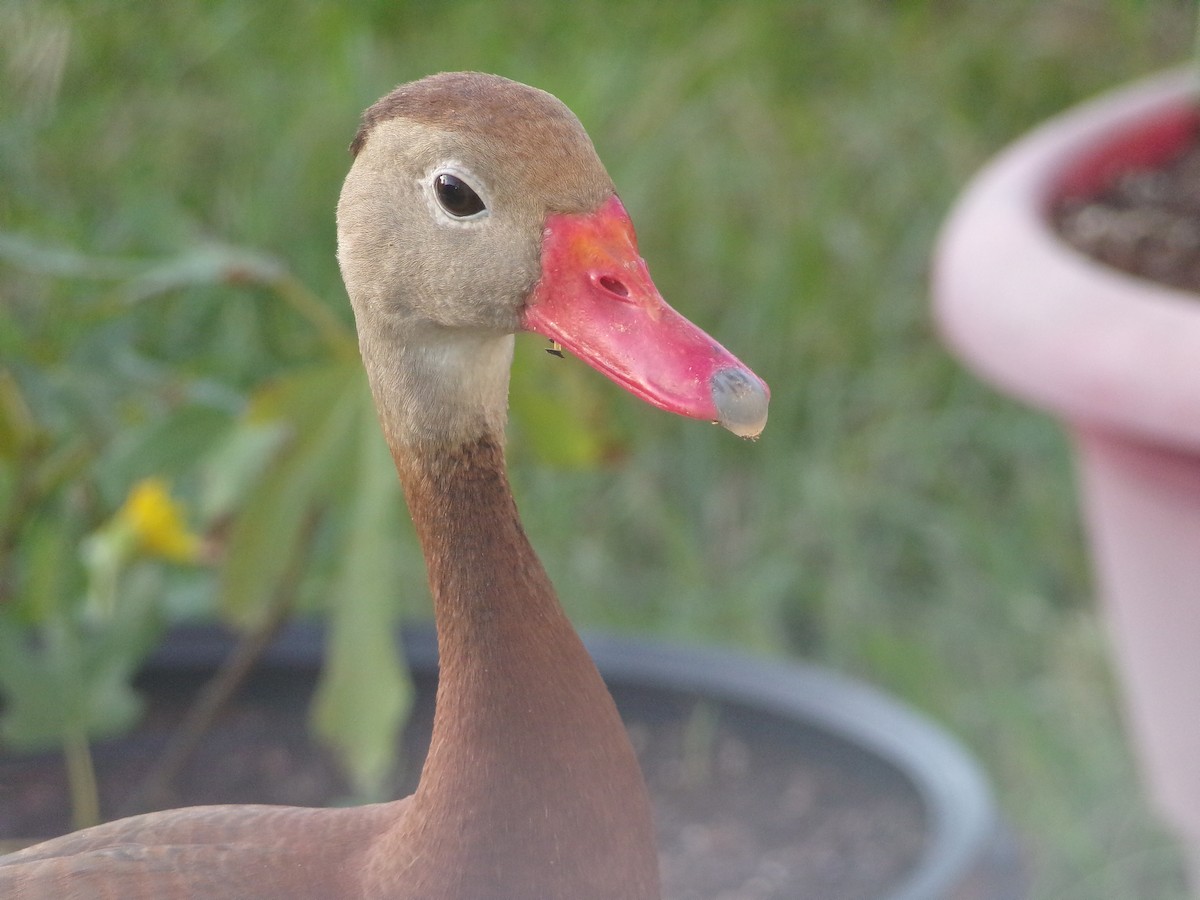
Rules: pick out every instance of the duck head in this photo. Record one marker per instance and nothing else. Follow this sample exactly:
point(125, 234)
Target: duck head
point(476, 207)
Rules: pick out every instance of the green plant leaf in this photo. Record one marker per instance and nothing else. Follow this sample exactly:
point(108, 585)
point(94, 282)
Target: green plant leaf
point(67, 676)
point(222, 264)
point(318, 407)
point(203, 265)
point(46, 258)
point(365, 694)
point(230, 469)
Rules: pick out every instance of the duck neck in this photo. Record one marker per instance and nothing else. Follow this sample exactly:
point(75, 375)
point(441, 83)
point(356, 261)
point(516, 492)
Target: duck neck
point(493, 602)
point(530, 774)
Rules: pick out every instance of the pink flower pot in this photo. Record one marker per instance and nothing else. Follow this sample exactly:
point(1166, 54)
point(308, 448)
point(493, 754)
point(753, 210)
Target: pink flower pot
point(1117, 359)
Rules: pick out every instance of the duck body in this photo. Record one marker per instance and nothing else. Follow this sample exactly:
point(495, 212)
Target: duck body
point(475, 208)
point(257, 853)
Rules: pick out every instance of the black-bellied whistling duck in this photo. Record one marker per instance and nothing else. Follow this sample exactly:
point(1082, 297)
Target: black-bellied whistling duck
point(475, 208)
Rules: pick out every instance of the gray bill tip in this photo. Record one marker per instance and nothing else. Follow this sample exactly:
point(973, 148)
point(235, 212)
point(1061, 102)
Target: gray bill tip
point(741, 401)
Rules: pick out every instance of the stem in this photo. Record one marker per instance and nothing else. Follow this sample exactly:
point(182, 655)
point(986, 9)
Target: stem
point(81, 779)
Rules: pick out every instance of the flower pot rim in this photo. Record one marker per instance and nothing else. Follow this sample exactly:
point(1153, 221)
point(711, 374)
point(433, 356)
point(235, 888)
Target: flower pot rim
point(960, 812)
point(1100, 348)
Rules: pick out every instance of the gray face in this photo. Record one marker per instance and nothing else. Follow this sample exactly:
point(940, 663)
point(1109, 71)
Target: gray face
point(410, 254)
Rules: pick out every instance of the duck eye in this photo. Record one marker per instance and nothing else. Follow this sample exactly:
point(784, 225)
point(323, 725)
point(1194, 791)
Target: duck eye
point(456, 196)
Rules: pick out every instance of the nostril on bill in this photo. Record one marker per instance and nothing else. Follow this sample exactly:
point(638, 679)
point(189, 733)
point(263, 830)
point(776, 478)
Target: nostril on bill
point(614, 286)
point(741, 401)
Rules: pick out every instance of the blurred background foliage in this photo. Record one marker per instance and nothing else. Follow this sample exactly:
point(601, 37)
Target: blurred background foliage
point(170, 308)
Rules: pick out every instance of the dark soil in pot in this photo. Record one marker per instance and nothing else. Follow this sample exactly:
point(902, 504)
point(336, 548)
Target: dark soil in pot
point(1147, 223)
point(748, 807)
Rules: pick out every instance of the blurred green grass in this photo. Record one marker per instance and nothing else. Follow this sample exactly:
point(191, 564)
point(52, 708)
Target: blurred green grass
point(787, 165)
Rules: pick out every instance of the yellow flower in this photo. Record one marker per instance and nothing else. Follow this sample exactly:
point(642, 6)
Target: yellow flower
point(156, 521)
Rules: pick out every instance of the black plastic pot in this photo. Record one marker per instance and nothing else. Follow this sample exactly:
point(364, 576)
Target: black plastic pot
point(963, 852)
point(968, 852)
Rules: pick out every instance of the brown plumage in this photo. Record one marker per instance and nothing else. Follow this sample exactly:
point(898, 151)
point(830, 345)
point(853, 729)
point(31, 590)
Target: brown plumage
point(530, 788)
